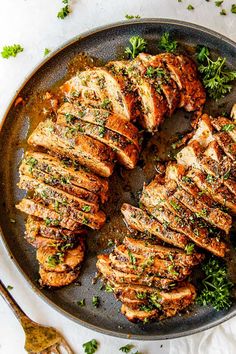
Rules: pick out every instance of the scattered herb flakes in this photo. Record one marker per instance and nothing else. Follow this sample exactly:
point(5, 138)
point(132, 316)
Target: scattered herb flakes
point(90, 347)
point(101, 131)
point(190, 7)
point(223, 12)
point(126, 348)
point(216, 287)
point(167, 44)
point(110, 243)
point(108, 288)
point(219, 3)
point(64, 12)
point(96, 301)
point(132, 258)
point(216, 76)
point(105, 104)
point(86, 208)
point(138, 45)
point(11, 50)
point(46, 51)
point(9, 287)
point(189, 248)
point(228, 127)
point(233, 8)
point(131, 17)
point(81, 303)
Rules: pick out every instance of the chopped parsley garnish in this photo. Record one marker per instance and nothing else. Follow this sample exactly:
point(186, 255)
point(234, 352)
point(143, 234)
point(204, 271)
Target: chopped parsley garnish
point(138, 45)
point(187, 179)
point(155, 72)
point(31, 161)
point(86, 208)
point(174, 205)
point(228, 127)
point(46, 51)
point(219, 3)
point(210, 179)
point(127, 348)
point(140, 295)
point(131, 17)
point(233, 8)
point(110, 243)
point(223, 12)
point(155, 300)
point(167, 44)
point(189, 248)
point(90, 347)
point(106, 103)
point(108, 288)
point(64, 12)
point(190, 7)
point(95, 301)
point(216, 76)
point(55, 259)
point(11, 50)
point(132, 258)
point(101, 131)
point(216, 287)
point(81, 303)
point(9, 287)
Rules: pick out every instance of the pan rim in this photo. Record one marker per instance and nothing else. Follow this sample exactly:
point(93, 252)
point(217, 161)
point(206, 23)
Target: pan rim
point(28, 77)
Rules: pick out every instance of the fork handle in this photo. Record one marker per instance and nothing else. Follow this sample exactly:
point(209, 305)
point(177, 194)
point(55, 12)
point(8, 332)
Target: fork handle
point(19, 313)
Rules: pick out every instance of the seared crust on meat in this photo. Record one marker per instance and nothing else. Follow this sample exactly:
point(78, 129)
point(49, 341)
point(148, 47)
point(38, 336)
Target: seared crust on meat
point(54, 195)
point(153, 104)
point(37, 227)
point(55, 279)
point(168, 253)
point(190, 195)
point(184, 71)
point(138, 315)
point(126, 151)
point(103, 118)
point(57, 259)
point(162, 79)
point(221, 124)
point(107, 86)
point(177, 217)
point(139, 220)
point(33, 208)
point(136, 263)
point(54, 172)
point(104, 267)
point(70, 143)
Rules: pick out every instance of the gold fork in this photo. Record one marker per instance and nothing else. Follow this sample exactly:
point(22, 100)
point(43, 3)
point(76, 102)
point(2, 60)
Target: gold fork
point(38, 339)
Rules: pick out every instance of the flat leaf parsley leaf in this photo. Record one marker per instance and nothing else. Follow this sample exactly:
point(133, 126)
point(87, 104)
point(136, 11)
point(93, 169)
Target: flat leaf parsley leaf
point(90, 347)
point(216, 76)
point(64, 12)
point(138, 45)
point(11, 50)
point(167, 44)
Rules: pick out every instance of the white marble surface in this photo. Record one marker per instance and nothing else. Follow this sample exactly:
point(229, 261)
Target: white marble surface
point(34, 25)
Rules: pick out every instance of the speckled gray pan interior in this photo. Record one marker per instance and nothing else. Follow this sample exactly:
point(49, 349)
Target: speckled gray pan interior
point(105, 43)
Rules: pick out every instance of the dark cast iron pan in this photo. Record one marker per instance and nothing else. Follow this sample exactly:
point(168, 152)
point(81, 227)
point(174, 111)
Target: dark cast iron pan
point(104, 43)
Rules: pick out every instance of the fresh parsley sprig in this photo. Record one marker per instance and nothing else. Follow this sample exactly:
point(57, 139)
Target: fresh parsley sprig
point(216, 289)
point(167, 44)
point(216, 76)
point(65, 10)
point(90, 347)
point(11, 50)
point(138, 45)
